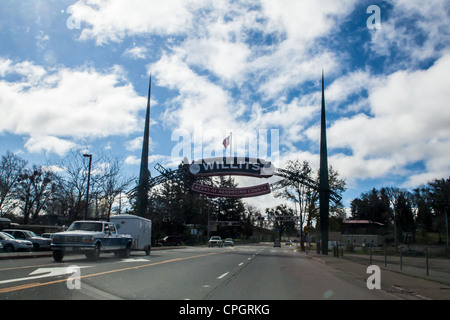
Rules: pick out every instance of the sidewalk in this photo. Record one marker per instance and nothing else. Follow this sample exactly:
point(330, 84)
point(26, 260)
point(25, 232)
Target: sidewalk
point(410, 282)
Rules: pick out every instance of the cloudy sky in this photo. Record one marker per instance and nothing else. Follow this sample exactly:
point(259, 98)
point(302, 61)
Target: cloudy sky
point(75, 75)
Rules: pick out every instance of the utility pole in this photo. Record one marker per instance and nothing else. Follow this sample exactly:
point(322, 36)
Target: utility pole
point(324, 188)
point(88, 185)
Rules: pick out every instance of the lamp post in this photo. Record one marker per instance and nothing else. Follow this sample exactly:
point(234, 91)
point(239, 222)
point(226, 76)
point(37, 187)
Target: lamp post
point(89, 180)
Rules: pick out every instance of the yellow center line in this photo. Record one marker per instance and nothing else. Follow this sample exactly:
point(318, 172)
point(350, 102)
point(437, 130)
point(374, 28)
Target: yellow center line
point(34, 285)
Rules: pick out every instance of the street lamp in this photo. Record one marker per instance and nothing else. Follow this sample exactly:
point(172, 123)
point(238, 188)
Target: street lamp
point(89, 180)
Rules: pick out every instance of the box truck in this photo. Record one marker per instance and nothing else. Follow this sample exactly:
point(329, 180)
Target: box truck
point(139, 228)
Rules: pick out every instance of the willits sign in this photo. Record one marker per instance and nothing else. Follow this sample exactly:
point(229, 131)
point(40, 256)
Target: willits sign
point(245, 192)
point(243, 166)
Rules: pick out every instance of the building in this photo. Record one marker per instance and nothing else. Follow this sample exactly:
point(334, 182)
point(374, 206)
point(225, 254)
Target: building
point(363, 233)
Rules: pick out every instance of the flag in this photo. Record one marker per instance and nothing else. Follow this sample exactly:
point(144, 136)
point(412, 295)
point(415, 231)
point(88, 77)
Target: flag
point(226, 142)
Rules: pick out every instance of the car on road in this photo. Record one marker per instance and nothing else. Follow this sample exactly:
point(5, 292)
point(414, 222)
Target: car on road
point(47, 235)
point(39, 243)
point(171, 241)
point(276, 244)
point(215, 241)
point(10, 244)
point(228, 242)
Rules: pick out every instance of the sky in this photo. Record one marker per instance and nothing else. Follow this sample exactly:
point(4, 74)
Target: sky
point(74, 75)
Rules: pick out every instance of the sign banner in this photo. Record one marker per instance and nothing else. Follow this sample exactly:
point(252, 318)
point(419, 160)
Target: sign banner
point(246, 192)
point(243, 166)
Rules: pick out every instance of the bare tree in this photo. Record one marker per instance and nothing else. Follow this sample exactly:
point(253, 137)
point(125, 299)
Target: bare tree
point(11, 167)
point(301, 194)
point(33, 191)
point(111, 183)
point(306, 196)
point(72, 185)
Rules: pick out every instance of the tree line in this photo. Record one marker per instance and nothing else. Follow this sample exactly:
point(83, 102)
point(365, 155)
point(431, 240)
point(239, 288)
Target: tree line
point(57, 190)
point(423, 209)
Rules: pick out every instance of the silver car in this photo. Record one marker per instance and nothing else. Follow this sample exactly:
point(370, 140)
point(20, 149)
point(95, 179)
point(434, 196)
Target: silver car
point(11, 244)
point(39, 243)
point(228, 242)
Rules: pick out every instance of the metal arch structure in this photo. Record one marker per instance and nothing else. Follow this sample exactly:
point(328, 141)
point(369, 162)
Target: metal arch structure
point(167, 174)
point(300, 178)
point(283, 173)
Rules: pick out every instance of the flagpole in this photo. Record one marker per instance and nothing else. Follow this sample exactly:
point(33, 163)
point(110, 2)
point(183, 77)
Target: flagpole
point(231, 148)
point(231, 142)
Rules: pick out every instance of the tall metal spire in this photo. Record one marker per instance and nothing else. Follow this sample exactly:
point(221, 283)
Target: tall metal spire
point(144, 174)
point(324, 188)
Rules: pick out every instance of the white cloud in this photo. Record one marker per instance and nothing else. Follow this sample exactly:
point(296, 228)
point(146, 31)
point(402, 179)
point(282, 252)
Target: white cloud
point(409, 123)
point(166, 161)
point(227, 60)
point(137, 52)
point(49, 144)
point(199, 100)
point(305, 20)
point(113, 20)
point(134, 144)
point(416, 30)
point(66, 103)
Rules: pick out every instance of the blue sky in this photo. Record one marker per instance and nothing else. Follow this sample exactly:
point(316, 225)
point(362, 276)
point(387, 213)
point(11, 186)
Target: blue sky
point(74, 75)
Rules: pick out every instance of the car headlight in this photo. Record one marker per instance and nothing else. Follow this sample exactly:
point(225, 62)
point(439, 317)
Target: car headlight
point(88, 239)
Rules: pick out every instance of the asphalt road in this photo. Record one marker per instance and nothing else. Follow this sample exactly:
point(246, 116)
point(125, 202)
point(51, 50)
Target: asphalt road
point(196, 273)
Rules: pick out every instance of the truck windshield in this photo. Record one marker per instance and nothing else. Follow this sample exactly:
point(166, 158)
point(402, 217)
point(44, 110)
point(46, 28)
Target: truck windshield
point(85, 226)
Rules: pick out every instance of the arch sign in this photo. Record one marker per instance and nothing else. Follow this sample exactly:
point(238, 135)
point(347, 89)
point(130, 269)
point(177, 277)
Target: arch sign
point(241, 166)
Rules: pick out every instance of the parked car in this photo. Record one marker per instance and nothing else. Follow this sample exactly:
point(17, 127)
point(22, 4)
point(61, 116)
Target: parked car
point(215, 241)
point(277, 244)
point(47, 235)
point(39, 243)
point(228, 242)
point(171, 241)
point(11, 244)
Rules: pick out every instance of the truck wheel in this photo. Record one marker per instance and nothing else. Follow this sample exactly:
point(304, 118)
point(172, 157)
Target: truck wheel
point(94, 255)
point(125, 253)
point(58, 255)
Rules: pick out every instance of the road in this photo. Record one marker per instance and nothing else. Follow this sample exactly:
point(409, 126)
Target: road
point(247, 272)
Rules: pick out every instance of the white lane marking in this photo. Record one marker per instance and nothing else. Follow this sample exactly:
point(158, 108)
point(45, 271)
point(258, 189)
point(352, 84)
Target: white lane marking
point(45, 273)
point(240, 264)
point(135, 260)
point(223, 275)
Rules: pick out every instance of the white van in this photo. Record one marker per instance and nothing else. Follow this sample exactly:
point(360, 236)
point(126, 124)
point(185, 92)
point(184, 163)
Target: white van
point(139, 228)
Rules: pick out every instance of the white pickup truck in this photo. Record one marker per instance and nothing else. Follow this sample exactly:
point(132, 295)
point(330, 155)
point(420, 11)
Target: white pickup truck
point(91, 238)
